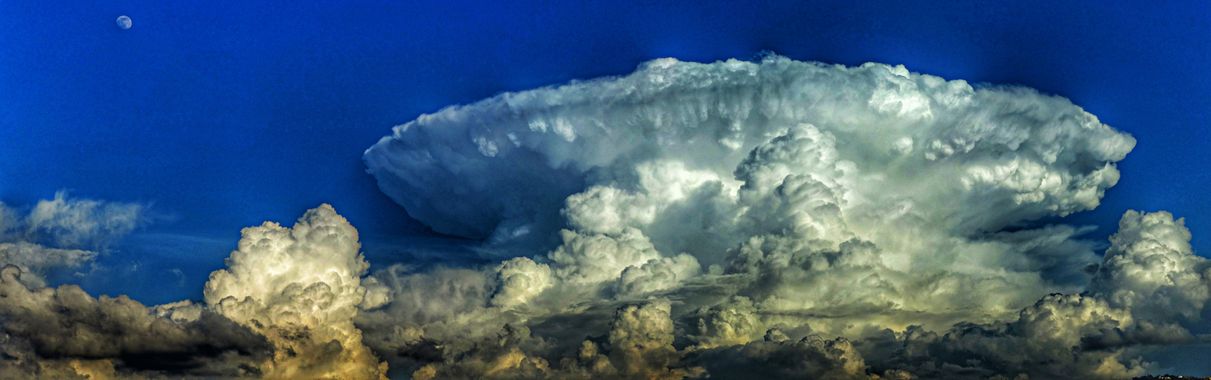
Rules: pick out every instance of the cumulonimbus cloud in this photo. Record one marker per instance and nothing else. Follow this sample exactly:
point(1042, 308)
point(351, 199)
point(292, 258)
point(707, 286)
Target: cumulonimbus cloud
point(801, 219)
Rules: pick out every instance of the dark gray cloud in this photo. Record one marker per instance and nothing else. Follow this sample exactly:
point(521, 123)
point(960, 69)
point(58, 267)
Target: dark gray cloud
point(65, 326)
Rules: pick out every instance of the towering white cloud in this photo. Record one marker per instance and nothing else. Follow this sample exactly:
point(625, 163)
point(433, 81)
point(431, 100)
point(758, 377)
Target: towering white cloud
point(301, 288)
point(1151, 268)
point(805, 219)
point(776, 169)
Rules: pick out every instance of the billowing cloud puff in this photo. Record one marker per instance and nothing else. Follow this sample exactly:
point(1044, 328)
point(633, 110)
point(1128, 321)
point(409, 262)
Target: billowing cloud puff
point(800, 219)
point(301, 288)
point(520, 280)
point(1151, 268)
point(641, 342)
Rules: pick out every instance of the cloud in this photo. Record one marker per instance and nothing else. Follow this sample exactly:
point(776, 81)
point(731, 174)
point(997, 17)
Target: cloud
point(63, 233)
point(40, 259)
point(1151, 268)
point(838, 222)
point(64, 221)
point(300, 287)
point(995, 146)
point(53, 332)
point(641, 343)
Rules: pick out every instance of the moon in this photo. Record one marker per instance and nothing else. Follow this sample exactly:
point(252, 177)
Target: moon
point(124, 22)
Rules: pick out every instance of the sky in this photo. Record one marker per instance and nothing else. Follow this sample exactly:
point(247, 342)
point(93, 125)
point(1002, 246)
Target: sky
point(219, 115)
point(224, 115)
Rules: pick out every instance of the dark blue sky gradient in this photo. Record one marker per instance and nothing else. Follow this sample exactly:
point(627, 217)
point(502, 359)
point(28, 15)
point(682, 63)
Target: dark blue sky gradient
point(223, 114)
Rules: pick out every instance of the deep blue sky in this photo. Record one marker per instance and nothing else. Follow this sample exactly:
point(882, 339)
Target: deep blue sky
point(223, 114)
